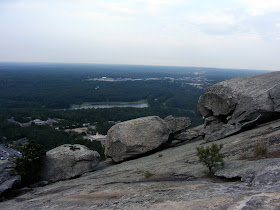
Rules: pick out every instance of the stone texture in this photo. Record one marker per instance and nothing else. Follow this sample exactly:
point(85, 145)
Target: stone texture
point(239, 104)
point(8, 176)
point(68, 161)
point(259, 172)
point(196, 133)
point(177, 124)
point(176, 183)
point(136, 137)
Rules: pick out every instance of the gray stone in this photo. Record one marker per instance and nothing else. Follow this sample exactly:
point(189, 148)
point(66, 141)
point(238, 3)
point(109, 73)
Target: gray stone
point(39, 184)
point(8, 176)
point(68, 161)
point(259, 172)
point(177, 124)
point(177, 181)
point(136, 137)
point(240, 104)
point(196, 133)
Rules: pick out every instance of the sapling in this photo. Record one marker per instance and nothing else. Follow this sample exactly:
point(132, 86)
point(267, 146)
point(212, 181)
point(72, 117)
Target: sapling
point(211, 157)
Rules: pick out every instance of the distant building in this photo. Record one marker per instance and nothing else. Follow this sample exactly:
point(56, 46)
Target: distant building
point(97, 137)
point(47, 122)
point(39, 122)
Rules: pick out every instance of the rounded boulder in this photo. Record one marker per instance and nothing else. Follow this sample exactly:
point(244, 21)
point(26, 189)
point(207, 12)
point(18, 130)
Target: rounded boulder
point(136, 137)
point(68, 161)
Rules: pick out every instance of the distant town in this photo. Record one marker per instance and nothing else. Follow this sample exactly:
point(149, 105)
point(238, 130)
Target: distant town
point(197, 81)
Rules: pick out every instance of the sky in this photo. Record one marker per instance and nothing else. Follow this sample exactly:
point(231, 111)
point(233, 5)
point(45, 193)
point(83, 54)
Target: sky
point(203, 33)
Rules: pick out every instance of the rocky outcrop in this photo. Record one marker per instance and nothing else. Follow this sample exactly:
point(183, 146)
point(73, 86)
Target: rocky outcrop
point(68, 161)
point(8, 176)
point(193, 134)
point(259, 172)
point(239, 104)
point(177, 124)
point(136, 137)
point(177, 180)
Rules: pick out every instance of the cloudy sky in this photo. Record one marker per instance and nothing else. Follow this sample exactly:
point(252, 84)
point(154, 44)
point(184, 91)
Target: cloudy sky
point(205, 33)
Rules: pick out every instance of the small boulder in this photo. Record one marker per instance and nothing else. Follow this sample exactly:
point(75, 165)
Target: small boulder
point(136, 137)
point(8, 176)
point(177, 124)
point(68, 161)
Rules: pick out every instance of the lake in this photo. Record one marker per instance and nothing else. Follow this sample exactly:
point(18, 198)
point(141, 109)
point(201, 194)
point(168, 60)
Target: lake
point(106, 106)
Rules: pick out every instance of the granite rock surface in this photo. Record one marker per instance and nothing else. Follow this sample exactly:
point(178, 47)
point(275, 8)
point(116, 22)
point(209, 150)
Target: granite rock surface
point(136, 137)
point(68, 161)
point(176, 180)
point(240, 104)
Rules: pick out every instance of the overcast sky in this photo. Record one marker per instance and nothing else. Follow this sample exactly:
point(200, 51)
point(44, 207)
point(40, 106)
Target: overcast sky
point(204, 33)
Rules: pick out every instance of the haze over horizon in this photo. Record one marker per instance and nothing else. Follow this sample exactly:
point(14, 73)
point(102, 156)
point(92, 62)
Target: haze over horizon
point(242, 34)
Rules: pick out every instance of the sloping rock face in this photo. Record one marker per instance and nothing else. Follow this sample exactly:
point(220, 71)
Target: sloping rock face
point(8, 176)
point(68, 161)
point(176, 181)
point(240, 103)
point(259, 172)
point(177, 124)
point(136, 137)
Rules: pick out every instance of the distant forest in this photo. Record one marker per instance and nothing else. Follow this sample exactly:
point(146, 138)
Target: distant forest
point(42, 91)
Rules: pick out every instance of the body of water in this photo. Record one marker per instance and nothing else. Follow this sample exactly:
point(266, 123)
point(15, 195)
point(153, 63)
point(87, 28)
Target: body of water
point(105, 106)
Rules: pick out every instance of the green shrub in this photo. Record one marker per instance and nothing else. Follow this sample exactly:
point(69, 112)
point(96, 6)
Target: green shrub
point(261, 149)
point(211, 157)
point(30, 165)
point(147, 174)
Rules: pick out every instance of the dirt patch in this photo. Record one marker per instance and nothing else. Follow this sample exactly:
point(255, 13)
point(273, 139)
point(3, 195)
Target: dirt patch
point(275, 154)
point(103, 195)
point(209, 203)
point(55, 190)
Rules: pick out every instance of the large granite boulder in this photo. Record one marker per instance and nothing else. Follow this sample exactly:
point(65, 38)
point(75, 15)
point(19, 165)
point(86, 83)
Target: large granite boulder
point(240, 103)
point(8, 176)
point(177, 124)
point(136, 137)
point(68, 161)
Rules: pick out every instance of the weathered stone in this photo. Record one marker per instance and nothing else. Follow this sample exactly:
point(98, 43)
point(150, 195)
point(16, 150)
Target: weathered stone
point(196, 133)
point(136, 137)
point(259, 172)
point(68, 161)
point(177, 181)
point(240, 104)
point(177, 124)
point(8, 176)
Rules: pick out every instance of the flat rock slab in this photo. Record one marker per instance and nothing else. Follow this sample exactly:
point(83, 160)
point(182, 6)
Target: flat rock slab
point(258, 172)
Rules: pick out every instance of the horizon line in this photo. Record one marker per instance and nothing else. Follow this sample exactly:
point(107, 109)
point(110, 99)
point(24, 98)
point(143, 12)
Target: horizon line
point(122, 64)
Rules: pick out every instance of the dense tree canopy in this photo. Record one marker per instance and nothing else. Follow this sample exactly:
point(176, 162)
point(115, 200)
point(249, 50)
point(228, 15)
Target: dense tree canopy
point(42, 91)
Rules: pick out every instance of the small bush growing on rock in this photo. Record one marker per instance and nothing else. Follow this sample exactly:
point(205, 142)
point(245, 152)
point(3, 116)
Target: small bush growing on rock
point(147, 174)
point(30, 165)
point(261, 149)
point(211, 157)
